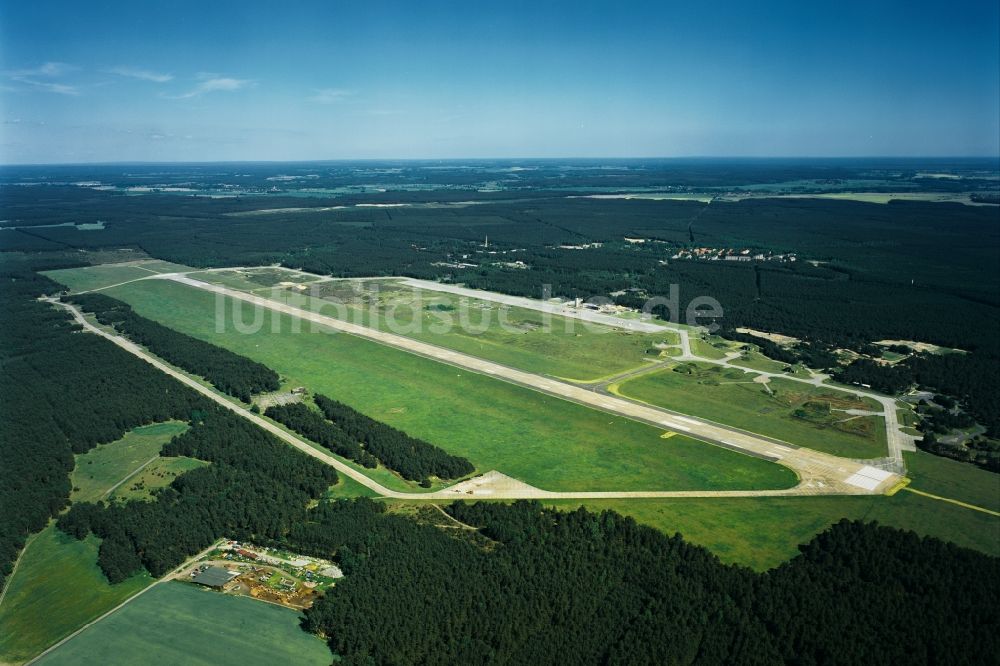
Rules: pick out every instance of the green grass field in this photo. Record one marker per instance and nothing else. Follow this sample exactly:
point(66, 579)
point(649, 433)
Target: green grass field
point(159, 473)
point(764, 532)
point(551, 443)
point(518, 337)
point(98, 470)
point(259, 281)
point(56, 589)
point(348, 487)
point(97, 277)
point(795, 412)
point(757, 361)
point(953, 479)
point(706, 349)
point(179, 623)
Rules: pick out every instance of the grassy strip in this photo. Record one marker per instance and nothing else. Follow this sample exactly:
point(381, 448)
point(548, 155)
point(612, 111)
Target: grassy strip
point(764, 532)
point(98, 470)
point(552, 443)
point(792, 411)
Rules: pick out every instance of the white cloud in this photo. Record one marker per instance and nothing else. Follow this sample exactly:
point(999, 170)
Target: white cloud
point(141, 74)
point(58, 88)
point(211, 85)
point(45, 69)
point(330, 95)
point(216, 84)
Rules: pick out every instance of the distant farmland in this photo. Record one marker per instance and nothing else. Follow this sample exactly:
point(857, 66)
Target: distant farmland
point(183, 624)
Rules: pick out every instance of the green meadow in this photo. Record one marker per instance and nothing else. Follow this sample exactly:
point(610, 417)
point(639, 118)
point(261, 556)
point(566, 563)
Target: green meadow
point(955, 480)
point(544, 441)
point(757, 361)
point(706, 349)
point(98, 277)
point(159, 473)
point(763, 532)
point(56, 589)
point(521, 338)
point(792, 411)
point(517, 337)
point(103, 467)
point(57, 586)
point(180, 623)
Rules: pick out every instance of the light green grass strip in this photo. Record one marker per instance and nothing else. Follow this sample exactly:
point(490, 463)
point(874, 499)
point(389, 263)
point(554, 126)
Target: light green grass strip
point(953, 501)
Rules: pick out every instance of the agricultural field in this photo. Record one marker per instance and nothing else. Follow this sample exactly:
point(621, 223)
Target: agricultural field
point(56, 589)
point(791, 411)
point(101, 469)
point(183, 624)
point(552, 444)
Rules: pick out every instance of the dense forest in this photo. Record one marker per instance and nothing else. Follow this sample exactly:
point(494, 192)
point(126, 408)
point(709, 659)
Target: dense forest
point(229, 372)
point(581, 588)
point(62, 393)
point(965, 377)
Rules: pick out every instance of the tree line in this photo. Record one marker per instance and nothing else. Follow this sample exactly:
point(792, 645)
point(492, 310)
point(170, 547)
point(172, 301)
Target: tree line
point(231, 373)
point(62, 393)
point(413, 458)
point(314, 427)
point(351, 434)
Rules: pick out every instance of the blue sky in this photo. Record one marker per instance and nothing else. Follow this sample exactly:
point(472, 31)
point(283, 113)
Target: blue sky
point(178, 81)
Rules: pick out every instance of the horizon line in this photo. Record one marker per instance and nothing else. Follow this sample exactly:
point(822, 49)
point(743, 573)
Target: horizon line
point(506, 159)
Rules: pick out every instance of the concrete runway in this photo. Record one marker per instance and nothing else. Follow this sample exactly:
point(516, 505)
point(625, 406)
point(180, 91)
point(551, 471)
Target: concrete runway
point(819, 473)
